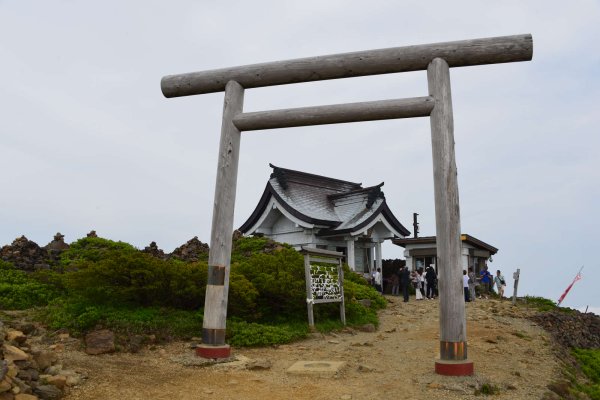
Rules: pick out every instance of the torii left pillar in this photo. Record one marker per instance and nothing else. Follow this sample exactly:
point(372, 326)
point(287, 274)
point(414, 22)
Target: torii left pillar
point(219, 259)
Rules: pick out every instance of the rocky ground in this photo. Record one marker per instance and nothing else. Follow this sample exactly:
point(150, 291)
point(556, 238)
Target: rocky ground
point(29, 362)
point(511, 354)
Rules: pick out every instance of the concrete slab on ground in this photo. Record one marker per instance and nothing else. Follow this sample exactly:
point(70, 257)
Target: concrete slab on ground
point(316, 367)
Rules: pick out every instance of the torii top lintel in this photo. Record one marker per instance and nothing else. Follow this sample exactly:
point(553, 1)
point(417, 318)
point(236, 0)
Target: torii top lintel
point(502, 49)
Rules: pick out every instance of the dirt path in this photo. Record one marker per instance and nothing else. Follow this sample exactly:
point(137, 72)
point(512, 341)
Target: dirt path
point(394, 362)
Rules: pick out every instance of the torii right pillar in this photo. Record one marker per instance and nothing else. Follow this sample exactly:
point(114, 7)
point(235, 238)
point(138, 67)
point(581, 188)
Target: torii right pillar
point(453, 327)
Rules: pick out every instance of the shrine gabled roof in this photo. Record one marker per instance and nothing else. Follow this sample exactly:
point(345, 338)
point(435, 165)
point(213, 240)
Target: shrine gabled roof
point(335, 205)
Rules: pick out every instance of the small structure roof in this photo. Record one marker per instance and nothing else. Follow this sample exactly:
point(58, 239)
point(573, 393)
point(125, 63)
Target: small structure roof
point(337, 206)
point(403, 242)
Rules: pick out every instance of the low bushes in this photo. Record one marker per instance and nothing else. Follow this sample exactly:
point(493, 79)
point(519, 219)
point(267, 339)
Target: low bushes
point(102, 282)
point(19, 290)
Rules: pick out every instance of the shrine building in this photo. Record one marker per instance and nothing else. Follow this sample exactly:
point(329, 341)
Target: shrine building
point(421, 252)
point(304, 209)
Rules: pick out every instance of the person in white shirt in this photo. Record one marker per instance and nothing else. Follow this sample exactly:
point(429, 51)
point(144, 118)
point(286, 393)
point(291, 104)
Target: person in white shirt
point(466, 285)
point(378, 281)
point(500, 283)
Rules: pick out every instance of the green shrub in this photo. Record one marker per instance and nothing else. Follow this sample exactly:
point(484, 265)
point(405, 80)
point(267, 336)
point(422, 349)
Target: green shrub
point(358, 291)
point(279, 280)
point(242, 297)
point(248, 245)
point(589, 363)
point(19, 290)
point(79, 317)
point(135, 278)
point(93, 249)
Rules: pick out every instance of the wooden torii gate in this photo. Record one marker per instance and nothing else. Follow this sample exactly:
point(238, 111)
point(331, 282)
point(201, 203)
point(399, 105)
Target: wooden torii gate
point(437, 59)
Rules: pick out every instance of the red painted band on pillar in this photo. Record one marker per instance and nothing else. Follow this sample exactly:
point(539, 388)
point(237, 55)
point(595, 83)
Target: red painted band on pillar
point(205, 351)
point(454, 368)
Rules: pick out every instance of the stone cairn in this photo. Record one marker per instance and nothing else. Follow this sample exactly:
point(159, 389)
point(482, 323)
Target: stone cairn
point(154, 251)
point(25, 255)
point(29, 373)
point(193, 250)
point(56, 247)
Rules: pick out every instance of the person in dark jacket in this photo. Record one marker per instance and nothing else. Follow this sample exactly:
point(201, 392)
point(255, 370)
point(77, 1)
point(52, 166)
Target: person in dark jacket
point(431, 279)
point(404, 282)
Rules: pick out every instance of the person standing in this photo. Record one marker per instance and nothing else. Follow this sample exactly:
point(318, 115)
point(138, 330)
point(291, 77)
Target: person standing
point(430, 279)
point(486, 281)
point(421, 282)
point(378, 281)
point(404, 282)
point(466, 285)
point(500, 283)
point(472, 283)
point(416, 280)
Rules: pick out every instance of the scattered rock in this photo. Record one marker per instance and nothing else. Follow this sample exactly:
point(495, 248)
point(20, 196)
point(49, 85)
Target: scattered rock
point(100, 342)
point(5, 386)
point(48, 392)
point(23, 396)
point(44, 359)
point(365, 368)
point(367, 328)
point(12, 353)
point(15, 336)
point(60, 381)
point(259, 364)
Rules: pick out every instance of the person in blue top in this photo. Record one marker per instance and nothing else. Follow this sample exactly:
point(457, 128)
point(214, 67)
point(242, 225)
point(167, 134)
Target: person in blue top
point(486, 281)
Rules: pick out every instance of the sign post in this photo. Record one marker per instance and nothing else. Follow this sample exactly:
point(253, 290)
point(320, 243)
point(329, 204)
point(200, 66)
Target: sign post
point(516, 278)
point(324, 280)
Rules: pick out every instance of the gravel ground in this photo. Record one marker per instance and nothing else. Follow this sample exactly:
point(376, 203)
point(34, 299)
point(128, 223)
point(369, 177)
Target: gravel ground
point(396, 361)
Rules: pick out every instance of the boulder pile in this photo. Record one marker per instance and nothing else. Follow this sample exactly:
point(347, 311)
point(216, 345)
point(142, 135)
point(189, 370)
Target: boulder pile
point(193, 250)
point(25, 254)
point(572, 329)
point(29, 373)
point(154, 251)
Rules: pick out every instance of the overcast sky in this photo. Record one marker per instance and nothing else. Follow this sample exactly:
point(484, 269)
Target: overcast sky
point(87, 141)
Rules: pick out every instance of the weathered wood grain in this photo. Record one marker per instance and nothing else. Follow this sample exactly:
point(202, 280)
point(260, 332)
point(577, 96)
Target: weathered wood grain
point(215, 305)
point(371, 62)
point(447, 214)
point(335, 114)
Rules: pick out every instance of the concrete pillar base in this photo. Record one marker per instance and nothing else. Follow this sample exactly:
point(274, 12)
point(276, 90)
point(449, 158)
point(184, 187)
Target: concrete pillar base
point(208, 351)
point(454, 367)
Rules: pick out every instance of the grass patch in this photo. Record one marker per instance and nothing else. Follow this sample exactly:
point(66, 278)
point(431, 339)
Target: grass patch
point(252, 334)
point(589, 363)
point(487, 389)
point(542, 304)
